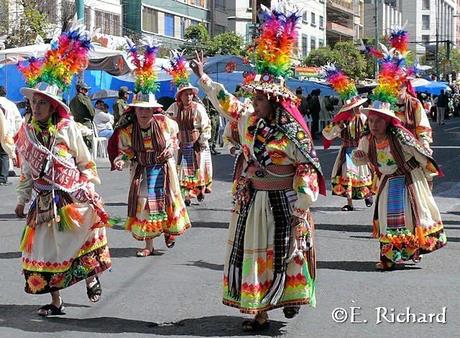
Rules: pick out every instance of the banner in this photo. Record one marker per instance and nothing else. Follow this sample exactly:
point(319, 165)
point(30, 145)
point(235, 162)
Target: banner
point(307, 72)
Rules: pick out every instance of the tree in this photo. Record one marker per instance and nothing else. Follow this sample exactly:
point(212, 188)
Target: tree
point(228, 43)
point(31, 24)
point(320, 57)
point(197, 36)
point(447, 63)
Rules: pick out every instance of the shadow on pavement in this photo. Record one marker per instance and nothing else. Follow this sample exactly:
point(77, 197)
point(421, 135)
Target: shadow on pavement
point(8, 217)
point(129, 252)
point(344, 227)
point(357, 266)
point(211, 225)
point(115, 204)
point(206, 265)
point(10, 255)
point(24, 318)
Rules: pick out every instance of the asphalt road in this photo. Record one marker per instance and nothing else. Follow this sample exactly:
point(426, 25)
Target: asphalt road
point(177, 292)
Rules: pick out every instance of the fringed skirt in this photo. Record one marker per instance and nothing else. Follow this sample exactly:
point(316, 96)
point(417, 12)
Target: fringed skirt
point(258, 267)
point(56, 255)
point(401, 239)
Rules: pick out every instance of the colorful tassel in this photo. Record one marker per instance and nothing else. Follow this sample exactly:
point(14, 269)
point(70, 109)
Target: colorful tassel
point(399, 40)
point(28, 237)
point(69, 216)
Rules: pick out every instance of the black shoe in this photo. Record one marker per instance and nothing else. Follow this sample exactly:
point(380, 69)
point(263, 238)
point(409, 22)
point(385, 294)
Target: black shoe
point(5, 183)
point(369, 201)
point(254, 326)
point(291, 311)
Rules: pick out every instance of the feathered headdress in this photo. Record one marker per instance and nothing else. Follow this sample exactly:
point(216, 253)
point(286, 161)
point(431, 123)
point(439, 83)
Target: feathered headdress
point(399, 40)
point(53, 74)
point(146, 78)
point(344, 86)
point(179, 73)
point(274, 48)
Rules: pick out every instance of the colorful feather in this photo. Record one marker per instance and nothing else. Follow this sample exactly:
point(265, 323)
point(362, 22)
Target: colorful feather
point(31, 69)
point(399, 40)
point(146, 78)
point(390, 79)
point(68, 55)
point(341, 83)
point(178, 69)
point(277, 39)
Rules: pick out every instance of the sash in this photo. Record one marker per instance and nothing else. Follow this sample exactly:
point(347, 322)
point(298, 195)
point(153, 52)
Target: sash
point(44, 164)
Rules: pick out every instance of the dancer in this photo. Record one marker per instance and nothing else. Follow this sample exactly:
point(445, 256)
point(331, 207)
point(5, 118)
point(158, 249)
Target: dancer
point(406, 219)
point(64, 240)
point(147, 142)
point(271, 251)
point(194, 156)
point(348, 180)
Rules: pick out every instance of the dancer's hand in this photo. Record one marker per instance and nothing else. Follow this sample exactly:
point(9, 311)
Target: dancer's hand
point(197, 64)
point(19, 211)
point(119, 164)
point(233, 151)
point(166, 154)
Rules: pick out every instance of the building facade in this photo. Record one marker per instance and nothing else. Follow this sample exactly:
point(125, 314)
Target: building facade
point(312, 34)
point(428, 21)
point(165, 19)
point(388, 13)
point(344, 20)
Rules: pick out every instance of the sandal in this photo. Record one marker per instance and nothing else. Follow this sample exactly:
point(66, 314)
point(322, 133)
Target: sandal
point(252, 325)
point(381, 266)
point(51, 310)
point(369, 202)
point(144, 252)
point(170, 241)
point(187, 202)
point(291, 311)
point(94, 291)
point(200, 197)
point(347, 208)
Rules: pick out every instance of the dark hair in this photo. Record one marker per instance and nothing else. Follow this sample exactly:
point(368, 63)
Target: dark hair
point(100, 101)
point(2, 91)
point(299, 90)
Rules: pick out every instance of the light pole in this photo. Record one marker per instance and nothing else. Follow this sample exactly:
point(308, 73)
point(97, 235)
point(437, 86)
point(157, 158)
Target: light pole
point(376, 17)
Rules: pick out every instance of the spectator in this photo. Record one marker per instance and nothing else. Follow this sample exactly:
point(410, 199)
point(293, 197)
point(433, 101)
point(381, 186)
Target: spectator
point(82, 110)
point(121, 105)
point(441, 106)
point(10, 121)
point(315, 108)
point(103, 120)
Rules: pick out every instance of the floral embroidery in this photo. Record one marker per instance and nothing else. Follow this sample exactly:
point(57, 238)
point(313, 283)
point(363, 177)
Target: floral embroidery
point(36, 282)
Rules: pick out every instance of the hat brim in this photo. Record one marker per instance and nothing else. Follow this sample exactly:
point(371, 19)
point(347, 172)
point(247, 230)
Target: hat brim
point(269, 88)
point(146, 105)
point(347, 107)
point(195, 90)
point(29, 93)
point(385, 112)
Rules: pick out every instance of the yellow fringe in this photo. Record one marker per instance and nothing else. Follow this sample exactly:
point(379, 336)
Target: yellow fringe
point(420, 235)
point(27, 240)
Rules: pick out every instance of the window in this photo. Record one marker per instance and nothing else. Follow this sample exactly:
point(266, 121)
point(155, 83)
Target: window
point(219, 29)
point(169, 25)
point(425, 4)
point(425, 39)
point(312, 43)
point(182, 28)
point(425, 22)
point(313, 19)
point(305, 17)
point(220, 4)
point(87, 17)
point(304, 45)
point(321, 43)
point(109, 23)
point(321, 22)
point(149, 20)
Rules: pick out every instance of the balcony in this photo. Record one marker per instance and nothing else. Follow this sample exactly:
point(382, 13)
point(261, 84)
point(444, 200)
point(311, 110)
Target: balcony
point(344, 6)
point(340, 30)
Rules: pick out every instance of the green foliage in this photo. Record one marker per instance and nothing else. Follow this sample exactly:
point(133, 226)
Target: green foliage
point(447, 63)
point(197, 38)
point(320, 57)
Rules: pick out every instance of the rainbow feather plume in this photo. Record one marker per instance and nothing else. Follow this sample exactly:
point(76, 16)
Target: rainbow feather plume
point(178, 69)
point(277, 39)
point(390, 78)
point(68, 55)
point(399, 40)
point(31, 69)
point(341, 83)
point(146, 78)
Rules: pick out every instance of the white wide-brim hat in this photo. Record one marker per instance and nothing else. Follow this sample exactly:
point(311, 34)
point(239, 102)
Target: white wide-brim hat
point(51, 91)
point(349, 104)
point(185, 87)
point(145, 101)
point(380, 107)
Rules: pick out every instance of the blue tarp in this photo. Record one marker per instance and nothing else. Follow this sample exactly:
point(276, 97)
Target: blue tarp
point(434, 87)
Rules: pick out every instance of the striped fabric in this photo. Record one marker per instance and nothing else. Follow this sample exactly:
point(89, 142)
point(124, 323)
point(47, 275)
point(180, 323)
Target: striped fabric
point(396, 203)
point(155, 188)
point(188, 160)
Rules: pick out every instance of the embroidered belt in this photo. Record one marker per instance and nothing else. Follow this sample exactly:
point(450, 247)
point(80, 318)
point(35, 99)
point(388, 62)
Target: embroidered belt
point(268, 183)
